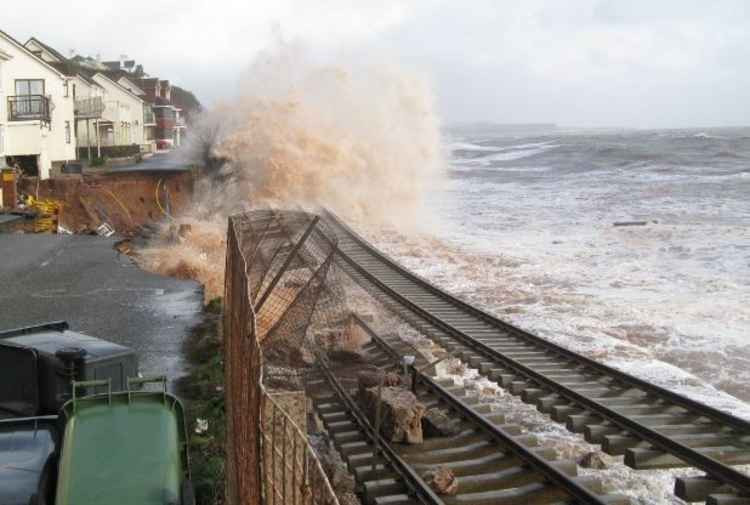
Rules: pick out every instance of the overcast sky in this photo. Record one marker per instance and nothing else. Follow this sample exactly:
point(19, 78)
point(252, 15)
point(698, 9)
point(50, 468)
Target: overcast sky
point(639, 63)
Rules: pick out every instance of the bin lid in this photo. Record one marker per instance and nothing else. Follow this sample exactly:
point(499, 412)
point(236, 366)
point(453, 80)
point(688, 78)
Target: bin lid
point(19, 389)
point(27, 449)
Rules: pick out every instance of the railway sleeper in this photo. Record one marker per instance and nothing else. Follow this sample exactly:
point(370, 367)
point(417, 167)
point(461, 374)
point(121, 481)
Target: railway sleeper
point(727, 499)
point(504, 479)
point(383, 487)
point(595, 433)
point(357, 447)
point(652, 458)
point(695, 489)
point(530, 494)
point(475, 450)
point(398, 499)
point(493, 462)
point(616, 445)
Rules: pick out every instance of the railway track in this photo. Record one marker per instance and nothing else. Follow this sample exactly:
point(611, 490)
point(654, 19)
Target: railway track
point(494, 462)
point(653, 428)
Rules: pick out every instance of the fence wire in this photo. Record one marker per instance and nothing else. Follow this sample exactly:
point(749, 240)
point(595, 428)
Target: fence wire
point(276, 271)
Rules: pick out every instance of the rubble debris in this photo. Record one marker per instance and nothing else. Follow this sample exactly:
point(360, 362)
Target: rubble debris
point(595, 460)
point(335, 468)
point(400, 413)
point(369, 379)
point(436, 423)
point(442, 480)
point(104, 230)
point(124, 247)
point(177, 233)
point(345, 356)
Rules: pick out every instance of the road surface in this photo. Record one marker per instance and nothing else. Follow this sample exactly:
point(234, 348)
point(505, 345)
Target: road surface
point(158, 162)
point(83, 280)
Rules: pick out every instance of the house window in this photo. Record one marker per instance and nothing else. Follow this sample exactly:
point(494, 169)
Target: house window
point(31, 104)
point(66, 86)
point(67, 132)
point(25, 87)
point(74, 91)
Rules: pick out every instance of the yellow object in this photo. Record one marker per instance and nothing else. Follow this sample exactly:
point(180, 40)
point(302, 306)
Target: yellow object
point(48, 211)
point(156, 197)
point(8, 176)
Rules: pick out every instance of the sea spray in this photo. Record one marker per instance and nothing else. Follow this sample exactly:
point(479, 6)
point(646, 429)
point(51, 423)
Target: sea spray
point(362, 139)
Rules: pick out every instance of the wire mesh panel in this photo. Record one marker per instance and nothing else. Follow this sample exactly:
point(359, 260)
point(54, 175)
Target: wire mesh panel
point(242, 369)
point(274, 277)
point(292, 472)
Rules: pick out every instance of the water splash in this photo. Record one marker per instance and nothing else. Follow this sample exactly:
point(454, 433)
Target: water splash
point(362, 139)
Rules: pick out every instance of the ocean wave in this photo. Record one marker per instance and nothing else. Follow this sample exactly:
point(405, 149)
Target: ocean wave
point(467, 146)
point(506, 154)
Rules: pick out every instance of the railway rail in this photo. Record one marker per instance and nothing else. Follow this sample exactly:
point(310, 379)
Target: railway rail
point(652, 427)
point(495, 463)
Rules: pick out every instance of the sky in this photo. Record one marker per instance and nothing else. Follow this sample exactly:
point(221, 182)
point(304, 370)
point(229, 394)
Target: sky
point(632, 63)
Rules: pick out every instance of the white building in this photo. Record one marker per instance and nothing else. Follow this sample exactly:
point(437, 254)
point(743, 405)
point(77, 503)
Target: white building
point(122, 121)
point(37, 118)
point(110, 107)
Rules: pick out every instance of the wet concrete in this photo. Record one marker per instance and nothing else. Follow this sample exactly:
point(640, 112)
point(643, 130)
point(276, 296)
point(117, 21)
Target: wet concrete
point(83, 280)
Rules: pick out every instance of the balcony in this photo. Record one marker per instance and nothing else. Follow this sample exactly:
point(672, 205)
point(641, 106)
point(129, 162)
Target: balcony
point(89, 108)
point(28, 108)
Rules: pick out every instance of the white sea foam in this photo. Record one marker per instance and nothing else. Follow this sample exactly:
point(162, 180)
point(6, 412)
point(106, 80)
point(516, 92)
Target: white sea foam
point(669, 301)
point(503, 154)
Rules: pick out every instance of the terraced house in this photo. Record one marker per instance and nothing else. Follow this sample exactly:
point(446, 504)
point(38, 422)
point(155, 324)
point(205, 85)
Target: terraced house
point(37, 111)
point(55, 109)
point(111, 110)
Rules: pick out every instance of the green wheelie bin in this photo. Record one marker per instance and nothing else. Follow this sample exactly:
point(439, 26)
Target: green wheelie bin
point(128, 448)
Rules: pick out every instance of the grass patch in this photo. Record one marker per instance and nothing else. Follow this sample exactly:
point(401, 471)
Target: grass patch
point(202, 391)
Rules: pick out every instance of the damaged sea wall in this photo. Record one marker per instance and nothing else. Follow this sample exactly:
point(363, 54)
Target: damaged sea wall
point(126, 201)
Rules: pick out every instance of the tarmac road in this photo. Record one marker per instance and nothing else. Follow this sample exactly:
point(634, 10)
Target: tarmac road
point(171, 161)
point(83, 280)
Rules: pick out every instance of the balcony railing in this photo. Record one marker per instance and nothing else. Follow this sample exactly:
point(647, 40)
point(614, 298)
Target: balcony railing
point(89, 108)
point(28, 108)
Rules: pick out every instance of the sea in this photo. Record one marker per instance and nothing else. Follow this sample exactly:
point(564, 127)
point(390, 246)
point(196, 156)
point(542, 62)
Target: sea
point(629, 246)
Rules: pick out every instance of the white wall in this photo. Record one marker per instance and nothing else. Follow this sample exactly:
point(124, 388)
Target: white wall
point(31, 137)
point(124, 110)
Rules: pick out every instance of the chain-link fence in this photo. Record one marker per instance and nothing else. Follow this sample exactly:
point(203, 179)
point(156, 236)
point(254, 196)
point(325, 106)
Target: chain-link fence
point(277, 264)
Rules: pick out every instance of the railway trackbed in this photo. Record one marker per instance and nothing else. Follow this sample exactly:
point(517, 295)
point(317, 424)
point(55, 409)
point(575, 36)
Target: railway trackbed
point(653, 428)
point(495, 463)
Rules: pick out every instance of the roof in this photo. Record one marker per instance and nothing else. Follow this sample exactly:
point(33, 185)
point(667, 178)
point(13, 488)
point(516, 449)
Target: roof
point(117, 84)
point(63, 67)
point(31, 54)
point(47, 48)
point(112, 65)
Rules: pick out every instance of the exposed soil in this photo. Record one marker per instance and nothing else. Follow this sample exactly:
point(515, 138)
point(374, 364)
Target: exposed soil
point(125, 201)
